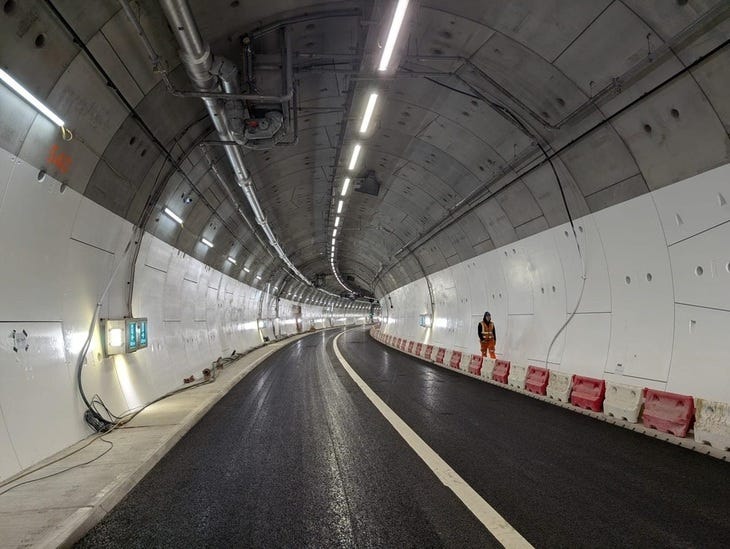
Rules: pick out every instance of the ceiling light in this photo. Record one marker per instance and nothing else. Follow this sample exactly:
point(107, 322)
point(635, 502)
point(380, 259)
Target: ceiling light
point(207, 242)
point(368, 112)
point(334, 232)
point(337, 221)
point(232, 260)
point(173, 215)
point(258, 277)
point(400, 13)
point(354, 157)
point(339, 206)
point(25, 94)
point(333, 241)
point(247, 269)
point(345, 186)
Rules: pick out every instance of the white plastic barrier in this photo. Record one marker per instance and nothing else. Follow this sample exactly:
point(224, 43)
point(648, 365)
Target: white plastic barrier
point(712, 423)
point(517, 375)
point(622, 401)
point(559, 386)
point(487, 367)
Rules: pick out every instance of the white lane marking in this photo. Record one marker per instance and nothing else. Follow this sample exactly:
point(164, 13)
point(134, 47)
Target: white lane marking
point(485, 513)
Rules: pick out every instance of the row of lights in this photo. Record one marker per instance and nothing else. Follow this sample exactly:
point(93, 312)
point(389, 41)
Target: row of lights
point(20, 90)
point(357, 149)
point(172, 215)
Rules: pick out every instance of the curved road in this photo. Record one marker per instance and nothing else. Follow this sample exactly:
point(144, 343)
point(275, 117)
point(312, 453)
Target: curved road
point(296, 456)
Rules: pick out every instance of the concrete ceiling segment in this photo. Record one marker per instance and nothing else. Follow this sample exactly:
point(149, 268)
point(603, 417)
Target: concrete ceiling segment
point(443, 148)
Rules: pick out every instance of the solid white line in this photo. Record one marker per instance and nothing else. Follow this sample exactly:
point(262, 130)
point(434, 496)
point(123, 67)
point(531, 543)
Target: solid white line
point(493, 521)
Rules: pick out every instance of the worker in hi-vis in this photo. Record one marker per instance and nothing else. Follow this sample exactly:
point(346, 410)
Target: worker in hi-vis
point(487, 335)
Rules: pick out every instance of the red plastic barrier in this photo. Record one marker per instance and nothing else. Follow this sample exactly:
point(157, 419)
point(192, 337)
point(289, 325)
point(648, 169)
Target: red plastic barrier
point(668, 412)
point(429, 351)
point(397, 343)
point(403, 343)
point(588, 393)
point(410, 346)
point(501, 370)
point(537, 379)
point(419, 348)
point(455, 360)
point(475, 364)
point(440, 355)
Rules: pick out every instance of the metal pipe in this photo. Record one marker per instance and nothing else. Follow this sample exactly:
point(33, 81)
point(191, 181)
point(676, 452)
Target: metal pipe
point(198, 62)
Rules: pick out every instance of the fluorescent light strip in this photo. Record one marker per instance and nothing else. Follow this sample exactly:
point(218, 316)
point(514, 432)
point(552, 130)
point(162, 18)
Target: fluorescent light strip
point(173, 215)
point(232, 260)
point(400, 13)
point(337, 221)
point(339, 206)
point(258, 277)
point(334, 233)
point(368, 112)
point(333, 241)
point(25, 94)
point(207, 242)
point(345, 186)
point(247, 269)
point(355, 156)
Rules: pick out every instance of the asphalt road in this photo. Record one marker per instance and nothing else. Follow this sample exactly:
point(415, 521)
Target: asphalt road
point(296, 456)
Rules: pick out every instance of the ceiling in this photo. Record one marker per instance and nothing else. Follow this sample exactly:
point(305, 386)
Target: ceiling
point(498, 120)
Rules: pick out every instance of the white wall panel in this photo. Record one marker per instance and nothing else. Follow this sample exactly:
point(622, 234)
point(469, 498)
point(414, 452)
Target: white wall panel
point(586, 344)
point(695, 204)
point(37, 392)
point(35, 223)
point(701, 358)
point(518, 277)
point(642, 321)
point(701, 268)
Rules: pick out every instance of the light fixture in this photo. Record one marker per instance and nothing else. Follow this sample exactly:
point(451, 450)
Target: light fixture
point(400, 13)
point(333, 241)
point(334, 232)
point(247, 269)
point(345, 186)
point(368, 112)
point(25, 94)
point(173, 215)
point(339, 206)
point(258, 277)
point(232, 260)
point(207, 242)
point(337, 221)
point(354, 157)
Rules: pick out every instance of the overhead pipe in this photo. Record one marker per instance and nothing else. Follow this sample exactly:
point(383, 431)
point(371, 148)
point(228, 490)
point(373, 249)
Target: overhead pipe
point(199, 64)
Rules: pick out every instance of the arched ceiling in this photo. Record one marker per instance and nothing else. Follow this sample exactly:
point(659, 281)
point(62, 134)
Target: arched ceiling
point(623, 97)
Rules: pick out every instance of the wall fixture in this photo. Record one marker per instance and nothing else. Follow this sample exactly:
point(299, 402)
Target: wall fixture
point(124, 335)
point(425, 321)
point(25, 94)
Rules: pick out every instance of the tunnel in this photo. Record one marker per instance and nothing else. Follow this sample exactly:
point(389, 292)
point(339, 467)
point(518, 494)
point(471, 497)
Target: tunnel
point(249, 249)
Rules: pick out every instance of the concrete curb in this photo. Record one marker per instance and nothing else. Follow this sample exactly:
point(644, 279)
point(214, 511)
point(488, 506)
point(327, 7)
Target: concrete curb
point(84, 519)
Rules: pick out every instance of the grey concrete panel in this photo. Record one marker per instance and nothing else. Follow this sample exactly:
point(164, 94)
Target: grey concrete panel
point(597, 56)
point(16, 120)
point(618, 192)
point(533, 81)
point(674, 134)
point(713, 76)
point(544, 188)
point(545, 26)
point(531, 227)
point(104, 52)
point(518, 203)
point(669, 18)
point(599, 160)
point(34, 48)
point(498, 225)
point(474, 229)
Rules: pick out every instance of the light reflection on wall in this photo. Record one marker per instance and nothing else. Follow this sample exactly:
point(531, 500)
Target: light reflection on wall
point(125, 381)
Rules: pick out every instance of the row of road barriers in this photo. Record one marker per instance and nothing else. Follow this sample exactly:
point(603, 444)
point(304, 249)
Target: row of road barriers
point(670, 413)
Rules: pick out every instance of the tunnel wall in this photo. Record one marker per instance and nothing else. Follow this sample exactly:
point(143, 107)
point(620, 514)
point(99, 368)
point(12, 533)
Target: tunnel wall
point(59, 251)
point(655, 310)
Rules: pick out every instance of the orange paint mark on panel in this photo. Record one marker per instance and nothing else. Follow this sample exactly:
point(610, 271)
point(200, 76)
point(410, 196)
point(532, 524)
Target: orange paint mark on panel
point(61, 160)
